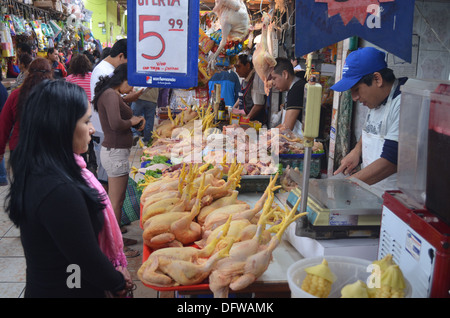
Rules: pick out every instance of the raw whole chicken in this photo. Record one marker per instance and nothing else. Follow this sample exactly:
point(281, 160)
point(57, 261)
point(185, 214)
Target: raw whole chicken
point(150, 199)
point(169, 227)
point(263, 61)
point(249, 259)
point(257, 264)
point(224, 201)
point(184, 119)
point(219, 216)
point(157, 230)
point(149, 272)
point(185, 229)
point(238, 212)
point(188, 272)
point(234, 22)
point(231, 268)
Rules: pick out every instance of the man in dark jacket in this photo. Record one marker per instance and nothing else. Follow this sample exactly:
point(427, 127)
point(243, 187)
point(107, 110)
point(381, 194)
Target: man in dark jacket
point(58, 68)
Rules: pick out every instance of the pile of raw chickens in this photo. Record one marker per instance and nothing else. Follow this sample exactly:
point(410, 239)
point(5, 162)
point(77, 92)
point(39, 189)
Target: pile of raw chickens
point(175, 138)
point(233, 241)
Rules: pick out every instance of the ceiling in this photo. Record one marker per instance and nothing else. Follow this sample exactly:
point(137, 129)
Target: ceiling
point(251, 4)
point(209, 4)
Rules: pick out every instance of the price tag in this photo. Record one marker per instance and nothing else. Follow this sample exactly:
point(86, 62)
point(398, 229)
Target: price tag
point(163, 43)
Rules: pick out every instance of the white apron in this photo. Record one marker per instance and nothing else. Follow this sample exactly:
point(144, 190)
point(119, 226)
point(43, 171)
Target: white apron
point(297, 127)
point(372, 147)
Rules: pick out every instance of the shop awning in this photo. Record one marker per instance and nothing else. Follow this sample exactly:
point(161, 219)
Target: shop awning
point(385, 23)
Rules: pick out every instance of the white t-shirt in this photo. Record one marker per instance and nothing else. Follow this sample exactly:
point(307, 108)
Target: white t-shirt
point(102, 69)
point(375, 117)
point(258, 94)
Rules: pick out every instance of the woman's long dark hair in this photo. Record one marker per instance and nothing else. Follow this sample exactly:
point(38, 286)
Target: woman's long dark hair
point(39, 70)
point(105, 82)
point(47, 127)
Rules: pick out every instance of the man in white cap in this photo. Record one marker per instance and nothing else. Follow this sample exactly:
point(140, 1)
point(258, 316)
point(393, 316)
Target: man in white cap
point(366, 75)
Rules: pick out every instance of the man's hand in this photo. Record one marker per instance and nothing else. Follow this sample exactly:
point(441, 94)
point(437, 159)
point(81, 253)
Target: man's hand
point(377, 171)
point(133, 96)
point(350, 161)
point(290, 118)
point(348, 164)
point(255, 111)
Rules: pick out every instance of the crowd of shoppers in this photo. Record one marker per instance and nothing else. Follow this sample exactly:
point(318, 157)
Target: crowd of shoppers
point(67, 212)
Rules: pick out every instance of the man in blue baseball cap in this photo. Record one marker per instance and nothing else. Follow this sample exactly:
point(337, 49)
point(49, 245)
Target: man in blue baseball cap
point(373, 84)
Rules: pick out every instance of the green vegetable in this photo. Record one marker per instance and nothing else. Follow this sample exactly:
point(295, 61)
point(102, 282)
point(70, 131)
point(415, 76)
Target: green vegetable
point(156, 174)
point(159, 159)
point(280, 169)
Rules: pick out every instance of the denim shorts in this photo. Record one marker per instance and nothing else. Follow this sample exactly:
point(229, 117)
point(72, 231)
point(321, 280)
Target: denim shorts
point(115, 161)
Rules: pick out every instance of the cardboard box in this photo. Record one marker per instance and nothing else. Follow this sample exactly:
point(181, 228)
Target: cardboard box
point(43, 4)
point(57, 5)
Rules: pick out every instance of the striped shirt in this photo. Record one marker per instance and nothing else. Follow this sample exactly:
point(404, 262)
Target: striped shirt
point(83, 81)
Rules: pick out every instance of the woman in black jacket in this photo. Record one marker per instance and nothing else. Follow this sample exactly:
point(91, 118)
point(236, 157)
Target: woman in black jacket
point(61, 216)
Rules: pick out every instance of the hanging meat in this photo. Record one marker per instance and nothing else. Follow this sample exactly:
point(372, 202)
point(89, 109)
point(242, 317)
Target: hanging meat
point(263, 61)
point(234, 22)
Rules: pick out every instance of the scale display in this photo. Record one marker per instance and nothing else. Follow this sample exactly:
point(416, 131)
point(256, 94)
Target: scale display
point(163, 43)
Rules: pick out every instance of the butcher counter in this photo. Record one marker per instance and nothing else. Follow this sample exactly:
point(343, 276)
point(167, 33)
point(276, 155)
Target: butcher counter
point(273, 283)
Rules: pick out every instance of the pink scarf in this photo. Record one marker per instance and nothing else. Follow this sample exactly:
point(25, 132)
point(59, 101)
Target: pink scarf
point(110, 237)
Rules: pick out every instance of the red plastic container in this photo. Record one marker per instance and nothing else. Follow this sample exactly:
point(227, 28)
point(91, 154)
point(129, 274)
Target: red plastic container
point(438, 167)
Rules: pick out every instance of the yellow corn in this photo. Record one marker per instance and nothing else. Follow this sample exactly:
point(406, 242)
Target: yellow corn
point(316, 286)
point(318, 280)
point(356, 290)
point(385, 262)
point(389, 292)
point(392, 283)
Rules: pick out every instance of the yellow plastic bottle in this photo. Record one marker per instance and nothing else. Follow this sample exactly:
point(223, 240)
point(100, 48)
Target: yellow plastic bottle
point(311, 116)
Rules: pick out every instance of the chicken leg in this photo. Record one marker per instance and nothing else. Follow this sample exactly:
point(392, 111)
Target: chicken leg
point(190, 273)
point(218, 217)
point(258, 263)
point(149, 272)
point(232, 267)
point(185, 230)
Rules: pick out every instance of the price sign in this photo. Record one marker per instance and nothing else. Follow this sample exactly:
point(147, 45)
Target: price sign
point(163, 43)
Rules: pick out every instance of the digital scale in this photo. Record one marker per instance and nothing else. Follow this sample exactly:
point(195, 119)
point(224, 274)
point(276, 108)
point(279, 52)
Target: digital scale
point(338, 208)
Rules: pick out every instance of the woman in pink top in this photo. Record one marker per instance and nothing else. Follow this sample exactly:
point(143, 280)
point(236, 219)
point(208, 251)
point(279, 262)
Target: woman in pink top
point(80, 73)
point(80, 68)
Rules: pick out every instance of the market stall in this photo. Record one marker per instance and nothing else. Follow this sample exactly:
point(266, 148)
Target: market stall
point(214, 216)
point(42, 25)
point(208, 211)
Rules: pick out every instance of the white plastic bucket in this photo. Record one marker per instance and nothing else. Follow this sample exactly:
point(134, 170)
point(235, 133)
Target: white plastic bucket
point(347, 270)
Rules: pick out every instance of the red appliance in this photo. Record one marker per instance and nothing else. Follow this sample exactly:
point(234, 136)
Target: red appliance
point(438, 168)
point(420, 244)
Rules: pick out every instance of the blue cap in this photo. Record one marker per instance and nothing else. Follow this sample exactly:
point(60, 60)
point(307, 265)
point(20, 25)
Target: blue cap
point(359, 63)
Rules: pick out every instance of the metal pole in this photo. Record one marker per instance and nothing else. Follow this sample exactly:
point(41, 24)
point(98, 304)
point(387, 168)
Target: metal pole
point(306, 174)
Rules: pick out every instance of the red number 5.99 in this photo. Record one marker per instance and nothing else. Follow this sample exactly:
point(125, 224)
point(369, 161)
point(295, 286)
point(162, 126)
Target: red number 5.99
point(143, 35)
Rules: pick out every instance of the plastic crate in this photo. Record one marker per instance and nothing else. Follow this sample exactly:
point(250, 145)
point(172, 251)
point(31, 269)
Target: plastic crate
point(296, 161)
